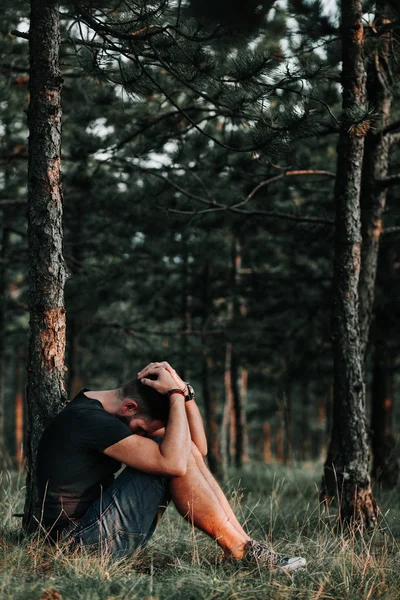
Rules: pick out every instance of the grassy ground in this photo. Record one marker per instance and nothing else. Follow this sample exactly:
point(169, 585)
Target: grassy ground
point(273, 502)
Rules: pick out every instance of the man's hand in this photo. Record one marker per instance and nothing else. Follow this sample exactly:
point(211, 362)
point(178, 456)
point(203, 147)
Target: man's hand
point(167, 377)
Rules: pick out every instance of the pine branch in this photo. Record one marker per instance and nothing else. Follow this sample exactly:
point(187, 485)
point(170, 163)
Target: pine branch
point(132, 330)
point(388, 181)
point(254, 213)
point(101, 28)
point(281, 176)
point(21, 34)
point(391, 128)
point(389, 231)
point(9, 202)
point(214, 206)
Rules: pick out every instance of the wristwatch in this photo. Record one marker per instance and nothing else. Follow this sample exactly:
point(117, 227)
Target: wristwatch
point(190, 392)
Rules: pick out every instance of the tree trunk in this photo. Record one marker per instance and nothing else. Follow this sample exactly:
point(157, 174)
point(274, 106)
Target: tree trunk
point(239, 443)
point(19, 410)
point(375, 166)
point(226, 432)
point(186, 319)
point(5, 241)
point(346, 471)
point(46, 393)
point(5, 237)
point(287, 416)
point(385, 465)
point(209, 397)
point(267, 443)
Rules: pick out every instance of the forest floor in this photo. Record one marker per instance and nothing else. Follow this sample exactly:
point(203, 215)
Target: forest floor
point(273, 502)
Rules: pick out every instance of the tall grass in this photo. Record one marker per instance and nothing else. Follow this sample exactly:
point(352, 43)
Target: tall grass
point(180, 563)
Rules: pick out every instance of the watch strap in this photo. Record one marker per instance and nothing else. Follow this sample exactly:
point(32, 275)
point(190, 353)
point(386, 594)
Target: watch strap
point(175, 391)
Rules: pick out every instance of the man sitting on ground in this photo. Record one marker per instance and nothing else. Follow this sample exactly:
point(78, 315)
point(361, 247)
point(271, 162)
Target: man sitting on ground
point(88, 440)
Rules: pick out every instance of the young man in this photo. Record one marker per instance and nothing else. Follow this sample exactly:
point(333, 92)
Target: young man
point(97, 431)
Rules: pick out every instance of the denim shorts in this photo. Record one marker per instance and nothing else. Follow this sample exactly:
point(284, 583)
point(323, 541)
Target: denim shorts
point(124, 517)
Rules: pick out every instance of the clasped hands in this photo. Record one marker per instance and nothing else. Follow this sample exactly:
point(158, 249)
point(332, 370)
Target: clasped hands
point(167, 377)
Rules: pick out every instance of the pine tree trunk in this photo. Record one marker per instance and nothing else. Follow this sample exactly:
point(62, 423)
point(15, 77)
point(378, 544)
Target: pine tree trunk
point(5, 241)
point(267, 443)
point(226, 430)
point(346, 471)
point(375, 166)
point(385, 465)
point(209, 397)
point(186, 320)
point(75, 381)
point(46, 393)
point(5, 237)
point(19, 410)
point(287, 415)
point(239, 439)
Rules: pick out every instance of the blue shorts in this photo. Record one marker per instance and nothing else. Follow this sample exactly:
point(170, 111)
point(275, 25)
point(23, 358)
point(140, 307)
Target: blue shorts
point(124, 517)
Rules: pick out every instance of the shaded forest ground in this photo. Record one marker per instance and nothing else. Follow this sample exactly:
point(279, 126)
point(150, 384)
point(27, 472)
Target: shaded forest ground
point(274, 502)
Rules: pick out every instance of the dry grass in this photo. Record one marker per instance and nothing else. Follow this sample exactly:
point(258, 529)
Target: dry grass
point(273, 502)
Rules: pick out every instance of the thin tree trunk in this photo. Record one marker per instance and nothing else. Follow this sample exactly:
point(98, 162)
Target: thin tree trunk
point(19, 410)
point(227, 414)
point(287, 415)
point(5, 241)
point(267, 443)
point(209, 396)
point(239, 443)
point(75, 380)
point(46, 393)
point(375, 166)
point(5, 238)
point(346, 471)
point(186, 320)
point(385, 465)
point(280, 436)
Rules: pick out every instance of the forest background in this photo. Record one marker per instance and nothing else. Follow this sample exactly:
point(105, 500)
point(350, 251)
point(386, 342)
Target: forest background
point(203, 154)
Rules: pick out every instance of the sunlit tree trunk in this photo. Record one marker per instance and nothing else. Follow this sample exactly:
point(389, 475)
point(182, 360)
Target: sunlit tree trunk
point(267, 443)
point(46, 393)
point(19, 409)
point(346, 472)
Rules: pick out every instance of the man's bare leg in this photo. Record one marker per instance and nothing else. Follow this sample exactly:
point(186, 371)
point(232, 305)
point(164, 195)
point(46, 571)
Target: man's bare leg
point(199, 502)
point(216, 488)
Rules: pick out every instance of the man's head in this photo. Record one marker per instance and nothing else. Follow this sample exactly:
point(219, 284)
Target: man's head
point(143, 409)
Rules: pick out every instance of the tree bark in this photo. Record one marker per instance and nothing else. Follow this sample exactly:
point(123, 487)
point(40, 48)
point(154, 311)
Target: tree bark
point(375, 167)
point(346, 471)
point(209, 397)
point(385, 465)
point(46, 393)
point(5, 242)
point(239, 406)
point(226, 428)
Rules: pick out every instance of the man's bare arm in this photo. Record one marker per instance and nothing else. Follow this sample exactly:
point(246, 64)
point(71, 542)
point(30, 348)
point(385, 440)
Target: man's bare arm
point(196, 426)
point(172, 455)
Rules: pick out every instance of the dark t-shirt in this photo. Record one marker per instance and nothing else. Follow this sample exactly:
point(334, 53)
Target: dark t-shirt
point(71, 466)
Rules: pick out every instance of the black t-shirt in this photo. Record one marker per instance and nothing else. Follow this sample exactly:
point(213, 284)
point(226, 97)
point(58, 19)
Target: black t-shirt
point(72, 469)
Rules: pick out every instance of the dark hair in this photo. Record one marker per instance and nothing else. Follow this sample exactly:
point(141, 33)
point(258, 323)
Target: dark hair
point(151, 404)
